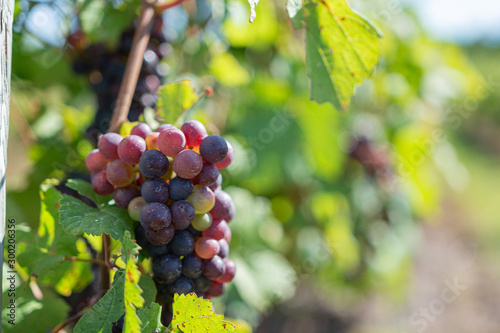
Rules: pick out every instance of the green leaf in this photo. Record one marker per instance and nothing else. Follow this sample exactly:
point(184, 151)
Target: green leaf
point(133, 298)
point(193, 314)
point(85, 189)
point(31, 314)
point(342, 48)
point(105, 312)
point(43, 256)
point(77, 217)
point(151, 318)
point(148, 286)
point(174, 99)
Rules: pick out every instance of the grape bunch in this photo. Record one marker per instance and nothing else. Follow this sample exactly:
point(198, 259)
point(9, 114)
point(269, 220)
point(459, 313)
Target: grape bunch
point(105, 68)
point(169, 181)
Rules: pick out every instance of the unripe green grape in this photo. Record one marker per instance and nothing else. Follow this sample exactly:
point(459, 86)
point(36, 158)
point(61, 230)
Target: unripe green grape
point(135, 207)
point(202, 198)
point(202, 222)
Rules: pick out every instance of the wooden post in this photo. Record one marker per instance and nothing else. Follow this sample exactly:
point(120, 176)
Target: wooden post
point(6, 17)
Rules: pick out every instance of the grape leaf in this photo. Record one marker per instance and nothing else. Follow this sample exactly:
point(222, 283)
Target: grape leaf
point(77, 217)
point(43, 255)
point(85, 189)
point(133, 298)
point(342, 48)
point(151, 318)
point(193, 314)
point(106, 311)
point(174, 98)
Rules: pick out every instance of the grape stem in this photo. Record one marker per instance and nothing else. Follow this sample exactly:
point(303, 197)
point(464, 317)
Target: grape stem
point(134, 63)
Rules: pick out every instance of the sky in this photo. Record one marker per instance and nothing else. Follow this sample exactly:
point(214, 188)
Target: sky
point(462, 21)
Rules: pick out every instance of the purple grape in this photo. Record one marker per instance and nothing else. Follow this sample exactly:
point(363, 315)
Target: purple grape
point(153, 164)
point(167, 269)
point(160, 237)
point(187, 164)
point(101, 185)
point(180, 188)
point(192, 266)
point(95, 162)
point(183, 214)
point(131, 148)
point(213, 149)
point(194, 131)
point(229, 273)
point(224, 248)
point(208, 175)
point(120, 173)
point(108, 145)
point(217, 230)
point(155, 190)
point(216, 289)
point(183, 243)
point(142, 130)
point(171, 141)
point(201, 284)
point(217, 185)
point(228, 159)
point(214, 268)
point(155, 216)
point(182, 285)
point(223, 207)
point(123, 195)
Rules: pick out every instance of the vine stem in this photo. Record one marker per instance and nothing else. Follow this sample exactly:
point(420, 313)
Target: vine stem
point(160, 7)
point(134, 63)
point(69, 320)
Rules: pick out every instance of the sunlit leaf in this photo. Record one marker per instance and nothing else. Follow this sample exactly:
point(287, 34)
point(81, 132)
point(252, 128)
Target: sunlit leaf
point(192, 315)
point(76, 217)
point(133, 298)
point(105, 312)
point(342, 48)
point(174, 98)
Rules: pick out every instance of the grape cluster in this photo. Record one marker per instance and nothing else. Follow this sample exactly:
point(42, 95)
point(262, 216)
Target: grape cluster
point(169, 181)
point(105, 69)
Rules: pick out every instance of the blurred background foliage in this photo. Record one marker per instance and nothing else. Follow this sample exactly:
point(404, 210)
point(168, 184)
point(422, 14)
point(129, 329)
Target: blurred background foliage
point(332, 201)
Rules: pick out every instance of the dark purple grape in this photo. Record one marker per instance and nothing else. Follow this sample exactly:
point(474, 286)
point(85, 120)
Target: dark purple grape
point(194, 232)
point(108, 145)
point(187, 164)
point(229, 273)
point(214, 268)
point(167, 269)
point(157, 251)
point(183, 214)
point(155, 190)
point(183, 243)
point(180, 188)
point(216, 289)
point(153, 164)
point(229, 158)
point(224, 248)
point(201, 284)
point(160, 237)
point(194, 132)
point(118, 325)
point(101, 185)
point(217, 185)
point(123, 195)
point(213, 149)
point(182, 285)
point(140, 236)
point(223, 207)
point(192, 266)
point(155, 216)
point(142, 130)
point(131, 148)
point(208, 175)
